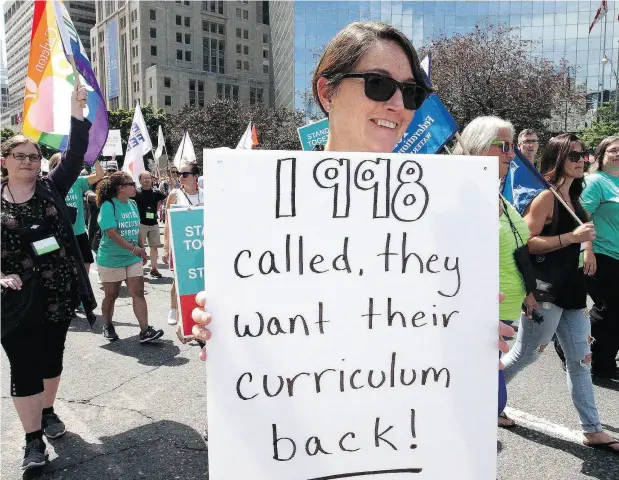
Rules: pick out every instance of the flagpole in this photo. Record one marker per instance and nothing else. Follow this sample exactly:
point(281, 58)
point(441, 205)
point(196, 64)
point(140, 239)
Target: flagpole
point(604, 53)
point(76, 76)
point(562, 202)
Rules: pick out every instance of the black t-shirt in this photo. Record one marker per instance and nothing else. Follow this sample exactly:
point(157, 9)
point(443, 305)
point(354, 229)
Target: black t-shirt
point(147, 201)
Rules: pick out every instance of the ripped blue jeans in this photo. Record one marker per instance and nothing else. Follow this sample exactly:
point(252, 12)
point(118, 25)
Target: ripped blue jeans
point(573, 330)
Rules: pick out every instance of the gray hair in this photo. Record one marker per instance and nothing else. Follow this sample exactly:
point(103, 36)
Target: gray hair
point(479, 134)
point(526, 132)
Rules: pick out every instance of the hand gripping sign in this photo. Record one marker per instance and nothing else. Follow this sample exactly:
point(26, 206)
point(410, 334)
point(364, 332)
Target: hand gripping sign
point(355, 315)
point(186, 233)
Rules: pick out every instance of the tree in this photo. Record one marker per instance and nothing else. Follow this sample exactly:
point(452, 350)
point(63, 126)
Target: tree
point(222, 123)
point(122, 120)
point(490, 72)
point(606, 125)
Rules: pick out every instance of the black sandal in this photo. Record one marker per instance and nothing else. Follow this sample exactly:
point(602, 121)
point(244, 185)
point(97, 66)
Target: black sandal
point(605, 446)
point(504, 416)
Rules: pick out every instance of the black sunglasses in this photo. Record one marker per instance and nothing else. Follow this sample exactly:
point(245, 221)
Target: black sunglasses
point(128, 184)
point(575, 156)
point(185, 174)
point(111, 170)
point(380, 88)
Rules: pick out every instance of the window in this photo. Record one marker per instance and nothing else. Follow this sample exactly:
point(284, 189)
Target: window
point(212, 5)
point(200, 93)
point(186, 2)
point(205, 6)
point(167, 82)
point(246, 34)
point(168, 101)
point(153, 50)
point(220, 7)
point(213, 28)
point(179, 20)
point(239, 65)
point(252, 95)
point(227, 94)
point(220, 91)
point(187, 38)
point(150, 84)
point(238, 48)
point(238, 13)
point(245, 50)
point(235, 93)
point(246, 65)
point(179, 54)
point(265, 69)
point(150, 99)
point(205, 25)
point(259, 96)
point(188, 56)
point(123, 22)
point(192, 93)
point(188, 21)
point(179, 37)
point(245, 14)
point(153, 33)
point(134, 16)
point(265, 38)
point(221, 29)
point(238, 33)
point(265, 54)
point(153, 14)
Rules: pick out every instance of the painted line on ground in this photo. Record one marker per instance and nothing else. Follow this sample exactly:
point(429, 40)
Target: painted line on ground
point(543, 425)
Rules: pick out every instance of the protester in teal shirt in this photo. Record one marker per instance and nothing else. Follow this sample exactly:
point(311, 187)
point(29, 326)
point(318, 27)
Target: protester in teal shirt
point(120, 255)
point(601, 200)
point(75, 199)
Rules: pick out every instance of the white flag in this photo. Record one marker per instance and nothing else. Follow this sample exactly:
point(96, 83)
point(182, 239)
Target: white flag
point(185, 152)
point(249, 138)
point(160, 143)
point(138, 145)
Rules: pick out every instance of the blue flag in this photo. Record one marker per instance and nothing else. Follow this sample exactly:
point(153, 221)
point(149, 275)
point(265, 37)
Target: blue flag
point(432, 125)
point(523, 182)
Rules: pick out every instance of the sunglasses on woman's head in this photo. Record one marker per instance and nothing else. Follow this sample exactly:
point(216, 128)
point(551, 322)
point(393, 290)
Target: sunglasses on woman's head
point(185, 174)
point(505, 146)
point(380, 88)
point(575, 156)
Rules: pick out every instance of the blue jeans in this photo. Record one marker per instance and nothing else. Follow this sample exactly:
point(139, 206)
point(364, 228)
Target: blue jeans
point(573, 330)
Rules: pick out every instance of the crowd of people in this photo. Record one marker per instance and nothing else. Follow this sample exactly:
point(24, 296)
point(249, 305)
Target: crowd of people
point(369, 83)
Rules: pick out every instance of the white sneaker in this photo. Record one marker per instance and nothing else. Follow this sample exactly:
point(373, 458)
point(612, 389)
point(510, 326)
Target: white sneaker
point(172, 317)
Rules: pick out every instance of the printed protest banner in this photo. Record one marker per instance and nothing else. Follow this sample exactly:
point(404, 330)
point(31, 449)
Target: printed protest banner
point(111, 64)
point(113, 145)
point(186, 234)
point(355, 315)
point(313, 134)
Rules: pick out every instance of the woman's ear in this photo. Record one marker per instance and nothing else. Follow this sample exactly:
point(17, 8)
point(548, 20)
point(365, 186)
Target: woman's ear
point(325, 92)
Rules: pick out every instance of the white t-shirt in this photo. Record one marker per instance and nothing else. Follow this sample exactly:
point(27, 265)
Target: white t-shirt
point(186, 200)
point(201, 182)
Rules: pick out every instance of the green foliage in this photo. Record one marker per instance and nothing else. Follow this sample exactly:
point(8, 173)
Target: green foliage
point(606, 125)
point(6, 133)
point(222, 124)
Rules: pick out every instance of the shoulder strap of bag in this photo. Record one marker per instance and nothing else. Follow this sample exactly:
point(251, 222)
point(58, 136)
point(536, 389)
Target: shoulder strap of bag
point(514, 230)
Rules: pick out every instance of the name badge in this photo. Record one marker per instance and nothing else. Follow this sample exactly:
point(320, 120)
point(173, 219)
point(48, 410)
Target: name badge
point(47, 245)
point(150, 215)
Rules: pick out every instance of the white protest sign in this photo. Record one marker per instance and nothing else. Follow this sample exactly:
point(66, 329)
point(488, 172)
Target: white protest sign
point(355, 315)
point(113, 145)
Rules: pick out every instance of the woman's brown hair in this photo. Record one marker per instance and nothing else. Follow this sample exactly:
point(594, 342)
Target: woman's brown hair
point(552, 167)
point(11, 143)
point(600, 151)
point(351, 44)
point(108, 187)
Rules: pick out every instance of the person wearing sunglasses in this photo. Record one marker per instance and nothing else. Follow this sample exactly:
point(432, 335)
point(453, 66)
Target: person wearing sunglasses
point(43, 278)
point(186, 195)
point(600, 198)
point(121, 255)
point(493, 136)
point(555, 241)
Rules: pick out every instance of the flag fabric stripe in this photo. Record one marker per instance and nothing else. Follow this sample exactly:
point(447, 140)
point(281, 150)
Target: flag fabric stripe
point(50, 80)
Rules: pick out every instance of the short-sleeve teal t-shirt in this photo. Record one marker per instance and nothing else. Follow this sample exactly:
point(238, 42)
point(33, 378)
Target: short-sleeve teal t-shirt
point(126, 219)
point(75, 199)
point(600, 198)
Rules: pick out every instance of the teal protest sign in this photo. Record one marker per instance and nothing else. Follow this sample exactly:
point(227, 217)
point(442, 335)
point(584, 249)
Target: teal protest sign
point(314, 134)
point(186, 232)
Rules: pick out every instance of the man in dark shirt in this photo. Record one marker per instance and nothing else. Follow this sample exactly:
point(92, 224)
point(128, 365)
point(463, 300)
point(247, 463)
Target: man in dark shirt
point(148, 200)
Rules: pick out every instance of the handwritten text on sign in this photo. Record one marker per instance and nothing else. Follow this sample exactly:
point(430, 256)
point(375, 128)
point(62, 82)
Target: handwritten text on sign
point(355, 313)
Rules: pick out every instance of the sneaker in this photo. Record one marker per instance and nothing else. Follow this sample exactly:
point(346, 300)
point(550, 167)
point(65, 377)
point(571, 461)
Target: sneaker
point(150, 334)
point(109, 333)
point(172, 316)
point(52, 426)
point(155, 274)
point(35, 455)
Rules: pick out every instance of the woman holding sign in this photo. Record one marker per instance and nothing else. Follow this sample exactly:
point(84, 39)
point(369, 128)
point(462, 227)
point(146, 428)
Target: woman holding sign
point(121, 255)
point(369, 83)
point(42, 276)
point(186, 195)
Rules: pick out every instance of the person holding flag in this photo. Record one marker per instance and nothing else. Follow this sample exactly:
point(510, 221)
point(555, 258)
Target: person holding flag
point(43, 276)
point(557, 233)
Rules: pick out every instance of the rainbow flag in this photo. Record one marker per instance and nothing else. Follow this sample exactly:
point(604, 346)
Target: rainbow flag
point(50, 81)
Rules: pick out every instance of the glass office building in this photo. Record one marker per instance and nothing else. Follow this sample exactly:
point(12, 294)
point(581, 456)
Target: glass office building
point(301, 30)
